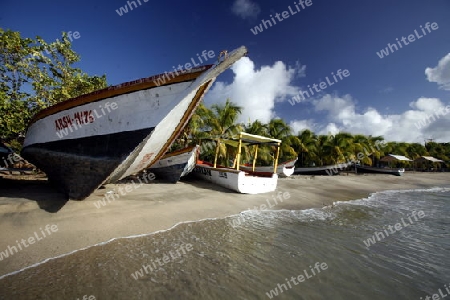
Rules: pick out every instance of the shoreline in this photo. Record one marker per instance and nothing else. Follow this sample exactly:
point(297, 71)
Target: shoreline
point(27, 205)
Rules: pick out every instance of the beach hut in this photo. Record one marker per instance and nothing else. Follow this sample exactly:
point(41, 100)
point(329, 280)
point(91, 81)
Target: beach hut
point(390, 159)
point(429, 163)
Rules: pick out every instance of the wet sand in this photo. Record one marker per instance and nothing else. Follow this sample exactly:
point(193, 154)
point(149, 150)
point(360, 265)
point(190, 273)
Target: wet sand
point(28, 204)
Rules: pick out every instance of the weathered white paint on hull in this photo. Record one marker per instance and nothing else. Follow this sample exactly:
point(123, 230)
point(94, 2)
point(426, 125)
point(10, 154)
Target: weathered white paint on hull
point(138, 110)
point(191, 162)
point(159, 136)
point(148, 154)
point(237, 180)
point(156, 113)
point(188, 158)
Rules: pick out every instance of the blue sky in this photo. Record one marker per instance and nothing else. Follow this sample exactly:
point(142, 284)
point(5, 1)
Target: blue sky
point(382, 96)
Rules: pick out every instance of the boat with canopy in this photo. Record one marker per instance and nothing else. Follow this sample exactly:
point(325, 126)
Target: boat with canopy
point(248, 181)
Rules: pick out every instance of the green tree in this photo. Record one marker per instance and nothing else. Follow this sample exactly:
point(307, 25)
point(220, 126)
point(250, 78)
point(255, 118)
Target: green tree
point(362, 151)
point(278, 129)
point(377, 147)
point(35, 74)
point(222, 123)
point(307, 147)
point(321, 147)
point(264, 155)
point(196, 130)
point(256, 127)
point(339, 148)
point(416, 150)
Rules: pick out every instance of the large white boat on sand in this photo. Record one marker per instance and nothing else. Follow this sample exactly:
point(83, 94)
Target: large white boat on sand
point(104, 136)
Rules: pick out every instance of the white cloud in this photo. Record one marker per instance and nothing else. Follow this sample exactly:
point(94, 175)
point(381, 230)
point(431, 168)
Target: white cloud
point(299, 125)
point(342, 115)
point(246, 9)
point(441, 73)
point(256, 90)
point(428, 105)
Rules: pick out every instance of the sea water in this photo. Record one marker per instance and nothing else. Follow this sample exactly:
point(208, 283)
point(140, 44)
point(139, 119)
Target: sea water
point(266, 255)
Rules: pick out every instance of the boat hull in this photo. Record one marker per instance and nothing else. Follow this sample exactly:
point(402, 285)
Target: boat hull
point(175, 165)
point(240, 181)
point(285, 169)
point(105, 136)
point(324, 170)
point(81, 161)
point(373, 170)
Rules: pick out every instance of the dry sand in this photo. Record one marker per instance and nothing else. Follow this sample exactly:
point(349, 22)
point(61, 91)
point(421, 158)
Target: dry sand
point(26, 205)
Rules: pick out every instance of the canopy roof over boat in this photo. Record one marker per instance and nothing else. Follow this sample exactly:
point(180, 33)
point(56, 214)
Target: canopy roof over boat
point(249, 139)
point(428, 158)
point(392, 157)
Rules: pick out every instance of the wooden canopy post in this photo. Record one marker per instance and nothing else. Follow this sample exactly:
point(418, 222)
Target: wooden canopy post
point(275, 165)
point(254, 158)
point(217, 152)
point(238, 156)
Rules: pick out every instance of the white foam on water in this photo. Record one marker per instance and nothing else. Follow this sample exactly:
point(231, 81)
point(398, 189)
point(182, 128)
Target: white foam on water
point(375, 200)
point(380, 197)
point(313, 214)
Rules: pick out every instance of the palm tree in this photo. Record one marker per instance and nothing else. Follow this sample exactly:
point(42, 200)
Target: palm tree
point(321, 155)
point(256, 127)
point(416, 150)
point(308, 145)
point(339, 147)
point(278, 129)
point(196, 129)
point(361, 149)
point(264, 152)
point(222, 121)
point(377, 146)
point(397, 148)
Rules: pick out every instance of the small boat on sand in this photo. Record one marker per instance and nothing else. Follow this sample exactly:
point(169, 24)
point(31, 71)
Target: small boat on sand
point(236, 179)
point(374, 170)
point(104, 136)
point(172, 166)
point(284, 169)
point(323, 170)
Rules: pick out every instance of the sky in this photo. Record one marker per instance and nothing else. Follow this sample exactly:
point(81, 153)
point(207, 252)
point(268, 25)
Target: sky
point(320, 65)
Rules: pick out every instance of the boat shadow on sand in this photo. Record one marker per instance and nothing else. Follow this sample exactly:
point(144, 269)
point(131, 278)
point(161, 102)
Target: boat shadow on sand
point(34, 189)
point(14, 190)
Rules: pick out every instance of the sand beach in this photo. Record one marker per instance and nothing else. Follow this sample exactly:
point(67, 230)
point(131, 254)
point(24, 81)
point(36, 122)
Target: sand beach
point(29, 207)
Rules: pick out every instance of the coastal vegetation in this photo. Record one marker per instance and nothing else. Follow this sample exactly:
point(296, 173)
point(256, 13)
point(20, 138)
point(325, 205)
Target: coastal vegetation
point(210, 125)
point(34, 75)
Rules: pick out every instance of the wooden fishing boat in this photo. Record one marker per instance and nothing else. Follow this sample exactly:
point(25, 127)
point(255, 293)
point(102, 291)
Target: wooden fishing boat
point(107, 135)
point(284, 169)
point(374, 170)
point(323, 170)
point(236, 179)
point(171, 167)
